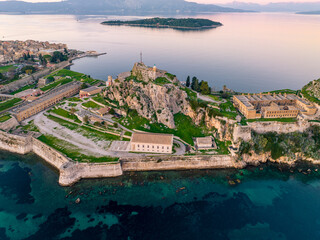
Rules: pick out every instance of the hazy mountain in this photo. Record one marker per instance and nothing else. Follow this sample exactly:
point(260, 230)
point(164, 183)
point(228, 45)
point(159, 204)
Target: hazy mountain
point(310, 13)
point(275, 7)
point(111, 6)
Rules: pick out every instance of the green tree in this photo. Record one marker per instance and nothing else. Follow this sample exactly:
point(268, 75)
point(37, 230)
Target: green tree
point(51, 79)
point(195, 84)
point(204, 88)
point(188, 82)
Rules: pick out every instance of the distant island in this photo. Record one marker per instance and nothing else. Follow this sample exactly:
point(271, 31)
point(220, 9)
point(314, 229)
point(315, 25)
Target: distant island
point(174, 23)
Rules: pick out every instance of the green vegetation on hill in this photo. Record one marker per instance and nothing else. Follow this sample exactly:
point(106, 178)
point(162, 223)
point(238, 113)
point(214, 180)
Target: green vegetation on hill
point(285, 144)
point(183, 23)
point(9, 103)
point(309, 93)
point(72, 151)
point(100, 99)
point(161, 81)
point(185, 128)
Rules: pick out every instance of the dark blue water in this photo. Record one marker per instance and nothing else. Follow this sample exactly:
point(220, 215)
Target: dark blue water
point(268, 204)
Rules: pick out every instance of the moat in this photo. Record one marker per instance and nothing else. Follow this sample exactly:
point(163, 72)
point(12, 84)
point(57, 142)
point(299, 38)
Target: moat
point(197, 203)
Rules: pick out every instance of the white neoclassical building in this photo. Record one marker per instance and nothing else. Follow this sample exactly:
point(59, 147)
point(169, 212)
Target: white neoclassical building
point(151, 142)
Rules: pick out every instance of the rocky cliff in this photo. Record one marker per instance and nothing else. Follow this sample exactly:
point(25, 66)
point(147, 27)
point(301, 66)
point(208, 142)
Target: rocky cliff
point(152, 93)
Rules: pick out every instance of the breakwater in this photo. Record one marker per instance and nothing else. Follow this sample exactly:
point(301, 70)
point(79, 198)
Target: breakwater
point(71, 171)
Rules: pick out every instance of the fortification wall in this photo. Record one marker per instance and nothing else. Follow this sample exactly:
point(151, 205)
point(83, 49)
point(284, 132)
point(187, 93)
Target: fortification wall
point(241, 132)
point(15, 144)
point(9, 124)
point(32, 78)
point(71, 172)
point(50, 155)
point(180, 163)
point(279, 127)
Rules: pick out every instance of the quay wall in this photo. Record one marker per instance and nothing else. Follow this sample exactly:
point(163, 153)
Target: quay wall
point(180, 163)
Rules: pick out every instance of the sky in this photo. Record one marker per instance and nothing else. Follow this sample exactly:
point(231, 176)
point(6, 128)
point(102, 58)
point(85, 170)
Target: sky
point(208, 1)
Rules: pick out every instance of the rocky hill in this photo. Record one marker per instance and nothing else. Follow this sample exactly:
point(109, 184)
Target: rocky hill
point(312, 91)
point(158, 96)
point(154, 94)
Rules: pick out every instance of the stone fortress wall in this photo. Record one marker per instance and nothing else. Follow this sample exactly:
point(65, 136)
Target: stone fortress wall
point(71, 172)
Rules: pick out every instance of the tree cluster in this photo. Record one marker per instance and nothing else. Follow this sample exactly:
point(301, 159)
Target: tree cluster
point(58, 57)
point(280, 145)
point(201, 87)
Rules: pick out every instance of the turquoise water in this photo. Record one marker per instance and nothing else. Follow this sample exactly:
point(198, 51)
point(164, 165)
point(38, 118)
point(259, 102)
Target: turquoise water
point(268, 204)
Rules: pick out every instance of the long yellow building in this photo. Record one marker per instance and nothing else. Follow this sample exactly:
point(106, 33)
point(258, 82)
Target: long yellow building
point(273, 106)
point(53, 97)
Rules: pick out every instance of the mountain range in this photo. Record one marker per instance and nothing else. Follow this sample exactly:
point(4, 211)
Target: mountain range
point(276, 7)
point(111, 6)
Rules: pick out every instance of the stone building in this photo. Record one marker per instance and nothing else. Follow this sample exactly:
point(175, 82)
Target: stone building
point(90, 91)
point(53, 97)
point(151, 142)
point(205, 143)
point(273, 106)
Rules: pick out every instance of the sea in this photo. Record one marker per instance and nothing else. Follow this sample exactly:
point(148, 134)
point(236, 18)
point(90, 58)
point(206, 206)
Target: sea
point(252, 53)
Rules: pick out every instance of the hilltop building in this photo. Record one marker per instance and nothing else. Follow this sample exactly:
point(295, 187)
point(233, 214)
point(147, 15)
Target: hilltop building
point(273, 106)
point(151, 142)
point(27, 110)
point(90, 91)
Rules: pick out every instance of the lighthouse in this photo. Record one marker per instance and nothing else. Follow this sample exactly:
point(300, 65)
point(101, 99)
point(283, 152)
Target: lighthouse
point(154, 71)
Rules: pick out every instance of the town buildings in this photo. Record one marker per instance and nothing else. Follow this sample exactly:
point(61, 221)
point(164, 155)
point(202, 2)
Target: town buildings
point(273, 106)
point(27, 110)
point(151, 143)
point(90, 91)
point(14, 50)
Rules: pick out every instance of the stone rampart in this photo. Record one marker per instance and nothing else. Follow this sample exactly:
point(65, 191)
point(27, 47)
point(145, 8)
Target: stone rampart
point(279, 127)
point(180, 163)
point(9, 124)
point(15, 144)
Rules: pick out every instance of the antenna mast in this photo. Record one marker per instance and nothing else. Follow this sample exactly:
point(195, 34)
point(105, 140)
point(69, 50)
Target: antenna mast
point(141, 57)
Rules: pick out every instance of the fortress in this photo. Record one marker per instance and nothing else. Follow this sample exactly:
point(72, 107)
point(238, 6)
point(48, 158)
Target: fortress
point(273, 106)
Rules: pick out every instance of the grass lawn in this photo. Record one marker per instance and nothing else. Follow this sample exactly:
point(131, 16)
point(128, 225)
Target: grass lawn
point(74, 99)
point(55, 84)
point(171, 76)
point(65, 114)
point(223, 147)
point(72, 151)
point(24, 88)
point(75, 75)
point(31, 127)
point(91, 104)
point(100, 99)
point(4, 69)
point(215, 98)
point(4, 118)
point(288, 120)
point(86, 131)
point(8, 104)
